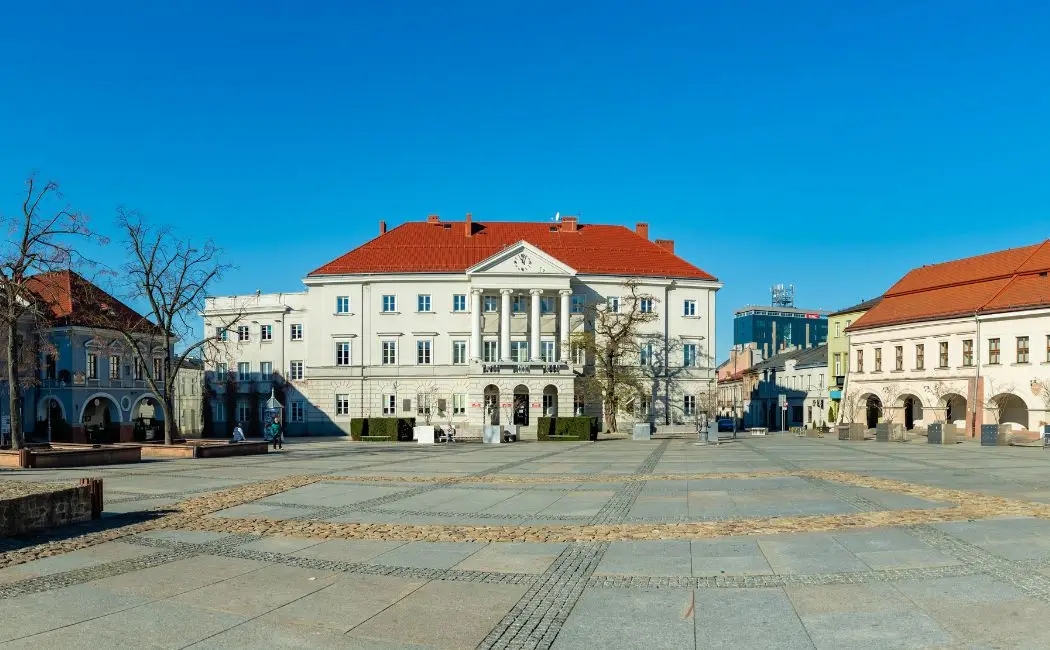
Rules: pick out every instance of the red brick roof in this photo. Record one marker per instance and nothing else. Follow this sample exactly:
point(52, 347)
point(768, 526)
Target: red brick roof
point(421, 247)
point(75, 301)
point(1008, 280)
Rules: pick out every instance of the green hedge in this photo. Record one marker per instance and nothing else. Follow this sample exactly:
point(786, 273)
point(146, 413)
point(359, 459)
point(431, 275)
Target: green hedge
point(567, 429)
point(399, 429)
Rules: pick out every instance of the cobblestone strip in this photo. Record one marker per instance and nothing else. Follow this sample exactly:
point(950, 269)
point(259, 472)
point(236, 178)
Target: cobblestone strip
point(537, 618)
point(323, 513)
point(770, 580)
point(980, 560)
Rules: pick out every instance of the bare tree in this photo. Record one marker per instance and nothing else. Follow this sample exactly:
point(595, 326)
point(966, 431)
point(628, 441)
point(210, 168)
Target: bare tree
point(849, 404)
point(887, 395)
point(615, 343)
point(1041, 387)
point(993, 403)
point(45, 236)
point(171, 277)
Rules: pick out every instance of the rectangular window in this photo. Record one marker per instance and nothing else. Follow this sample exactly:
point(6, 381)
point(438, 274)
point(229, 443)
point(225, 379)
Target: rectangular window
point(219, 411)
point(614, 304)
point(459, 302)
point(838, 329)
point(547, 351)
point(968, 352)
point(297, 411)
point(993, 352)
point(389, 303)
point(646, 354)
point(342, 305)
point(423, 302)
point(295, 370)
point(579, 354)
point(689, 404)
point(244, 371)
point(220, 333)
point(920, 357)
point(242, 333)
point(547, 304)
point(519, 304)
point(548, 404)
point(689, 308)
point(389, 404)
point(296, 332)
point(266, 333)
point(519, 351)
point(389, 353)
point(838, 365)
point(645, 305)
point(244, 412)
point(878, 359)
point(342, 353)
point(577, 404)
point(459, 352)
point(114, 367)
point(1022, 349)
point(459, 404)
point(490, 304)
point(898, 356)
point(220, 371)
point(576, 305)
point(860, 360)
point(92, 366)
point(266, 370)
point(423, 352)
point(342, 405)
point(942, 359)
point(158, 369)
point(645, 406)
point(689, 355)
point(490, 351)
point(423, 404)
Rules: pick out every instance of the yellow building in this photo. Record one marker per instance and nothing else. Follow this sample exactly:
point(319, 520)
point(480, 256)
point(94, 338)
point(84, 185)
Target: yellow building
point(838, 348)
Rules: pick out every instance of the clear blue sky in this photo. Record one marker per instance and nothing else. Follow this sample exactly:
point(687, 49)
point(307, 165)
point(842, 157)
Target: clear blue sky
point(829, 144)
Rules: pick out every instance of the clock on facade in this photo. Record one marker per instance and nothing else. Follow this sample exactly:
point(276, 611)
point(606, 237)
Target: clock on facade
point(522, 262)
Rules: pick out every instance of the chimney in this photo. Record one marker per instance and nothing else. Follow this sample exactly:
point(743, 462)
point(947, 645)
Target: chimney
point(642, 229)
point(468, 226)
point(433, 218)
point(666, 244)
point(568, 224)
point(382, 227)
point(807, 336)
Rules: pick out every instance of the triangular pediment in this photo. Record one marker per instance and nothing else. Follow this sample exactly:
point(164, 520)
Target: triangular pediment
point(521, 259)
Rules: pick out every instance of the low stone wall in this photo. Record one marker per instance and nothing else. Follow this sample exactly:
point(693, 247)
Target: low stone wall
point(70, 455)
point(205, 449)
point(31, 507)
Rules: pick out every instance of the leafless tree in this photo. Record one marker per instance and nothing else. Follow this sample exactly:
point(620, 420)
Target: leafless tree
point(887, 395)
point(849, 404)
point(994, 404)
point(171, 277)
point(940, 391)
point(46, 235)
point(614, 341)
point(1041, 387)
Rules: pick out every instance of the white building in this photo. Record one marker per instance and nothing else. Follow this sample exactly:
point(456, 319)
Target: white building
point(463, 319)
point(961, 342)
point(789, 390)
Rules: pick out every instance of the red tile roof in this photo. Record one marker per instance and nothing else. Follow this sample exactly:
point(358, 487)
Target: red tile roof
point(75, 301)
point(421, 247)
point(1008, 280)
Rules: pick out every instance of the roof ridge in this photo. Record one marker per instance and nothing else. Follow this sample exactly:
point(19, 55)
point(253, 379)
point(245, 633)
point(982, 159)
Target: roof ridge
point(1013, 277)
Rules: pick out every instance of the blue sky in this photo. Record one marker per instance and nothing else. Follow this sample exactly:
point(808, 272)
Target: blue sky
point(827, 144)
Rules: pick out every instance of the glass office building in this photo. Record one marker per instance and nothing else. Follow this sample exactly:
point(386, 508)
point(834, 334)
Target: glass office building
point(773, 329)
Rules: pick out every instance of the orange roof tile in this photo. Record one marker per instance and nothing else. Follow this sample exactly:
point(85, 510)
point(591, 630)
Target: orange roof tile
point(75, 301)
point(1006, 280)
point(422, 247)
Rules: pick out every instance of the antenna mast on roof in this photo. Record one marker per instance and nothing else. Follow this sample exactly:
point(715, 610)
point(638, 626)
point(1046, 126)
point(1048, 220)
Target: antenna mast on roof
point(783, 295)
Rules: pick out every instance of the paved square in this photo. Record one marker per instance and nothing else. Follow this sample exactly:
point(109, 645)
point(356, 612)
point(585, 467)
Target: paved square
point(773, 542)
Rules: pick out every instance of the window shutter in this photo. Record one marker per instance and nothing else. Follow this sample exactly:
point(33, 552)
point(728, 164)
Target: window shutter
point(406, 405)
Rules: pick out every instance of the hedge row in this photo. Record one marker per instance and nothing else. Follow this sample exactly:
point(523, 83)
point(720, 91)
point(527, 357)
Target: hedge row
point(399, 429)
point(570, 428)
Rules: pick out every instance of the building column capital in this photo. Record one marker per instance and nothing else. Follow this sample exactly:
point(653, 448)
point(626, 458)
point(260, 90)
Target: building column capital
point(506, 292)
point(565, 292)
point(475, 291)
point(536, 292)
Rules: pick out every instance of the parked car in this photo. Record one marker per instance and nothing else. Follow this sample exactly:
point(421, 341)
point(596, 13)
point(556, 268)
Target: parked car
point(726, 424)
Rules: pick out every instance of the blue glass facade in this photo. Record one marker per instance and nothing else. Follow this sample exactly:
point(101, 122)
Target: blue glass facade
point(775, 329)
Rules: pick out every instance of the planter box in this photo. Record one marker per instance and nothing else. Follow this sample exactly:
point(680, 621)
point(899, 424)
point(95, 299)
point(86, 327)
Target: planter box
point(642, 431)
point(843, 431)
point(993, 435)
point(853, 431)
point(71, 455)
point(424, 434)
point(202, 449)
point(492, 434)
point(887, 431)
point(34, 510)
point(935, 433)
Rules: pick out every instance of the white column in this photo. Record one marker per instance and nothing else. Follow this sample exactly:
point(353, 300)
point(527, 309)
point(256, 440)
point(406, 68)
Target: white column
point(504, 325)
point(563, 333)
point(475, 324)
point(534, 325)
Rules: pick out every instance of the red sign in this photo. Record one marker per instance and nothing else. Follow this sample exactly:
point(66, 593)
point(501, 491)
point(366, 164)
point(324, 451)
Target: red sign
point(535, 405)
point(475, 405)
point(812, 315)
point(506, 405)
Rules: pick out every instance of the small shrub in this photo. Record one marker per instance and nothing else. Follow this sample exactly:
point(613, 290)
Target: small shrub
point(358, 428)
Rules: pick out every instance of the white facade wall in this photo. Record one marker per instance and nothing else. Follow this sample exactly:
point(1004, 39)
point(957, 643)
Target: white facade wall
point(970, 385)
point(363, 383)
